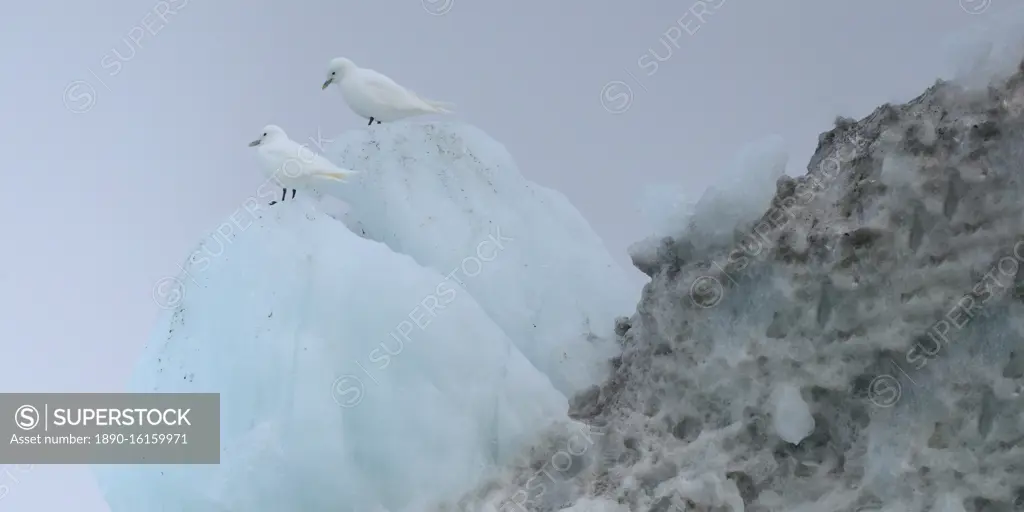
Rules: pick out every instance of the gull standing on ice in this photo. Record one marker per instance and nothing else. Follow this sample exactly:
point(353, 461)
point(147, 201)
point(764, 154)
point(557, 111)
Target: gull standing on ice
point(374, 96)
point(292, 164)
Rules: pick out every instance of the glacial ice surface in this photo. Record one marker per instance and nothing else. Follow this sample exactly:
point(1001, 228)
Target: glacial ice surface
point(742, 191)
point(443, 193)
point(337, 393)
point(902, 223)
point(792, 417)
point(666, 207)
point(885, 286)
point(739, 192)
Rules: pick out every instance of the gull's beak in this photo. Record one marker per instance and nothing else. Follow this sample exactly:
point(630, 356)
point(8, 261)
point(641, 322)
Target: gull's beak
point(328, 82)
point(254, 143)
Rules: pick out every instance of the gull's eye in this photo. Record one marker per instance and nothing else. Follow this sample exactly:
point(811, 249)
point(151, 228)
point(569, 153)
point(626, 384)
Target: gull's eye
point(264, 134)
point(333, 73)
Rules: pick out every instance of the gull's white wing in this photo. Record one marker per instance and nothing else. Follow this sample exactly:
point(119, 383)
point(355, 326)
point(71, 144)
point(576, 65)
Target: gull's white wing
point(386, 91)
point(290, 157)
point(282, 150)
point(293, 157)
point(322, 164)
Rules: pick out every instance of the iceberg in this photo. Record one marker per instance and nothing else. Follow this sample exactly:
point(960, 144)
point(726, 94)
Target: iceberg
point(855, 346)
point(444, 194)
point(739, 193)
point(792, 417)
point(596, 505)
point(351, 377)
point(743, 190)
point(665, 207)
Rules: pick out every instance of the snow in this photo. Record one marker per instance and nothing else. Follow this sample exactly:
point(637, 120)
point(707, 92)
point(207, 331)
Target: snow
point(453, 199)
point(792, 416)
point(351, 377)
point(800, 379)
point(741, 191)
point(665, 207)
point(949, 502)
point(738, 193)
point(744, 190)
point(710, 490)
point(596, 505)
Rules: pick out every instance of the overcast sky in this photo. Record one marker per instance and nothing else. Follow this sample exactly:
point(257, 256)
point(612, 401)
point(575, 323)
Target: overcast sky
point(111, 181)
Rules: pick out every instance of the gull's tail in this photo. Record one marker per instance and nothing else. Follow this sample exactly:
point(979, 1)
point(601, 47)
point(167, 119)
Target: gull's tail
point(428, 106)
point(440, 107)
point(431, 106)
point(334, 176)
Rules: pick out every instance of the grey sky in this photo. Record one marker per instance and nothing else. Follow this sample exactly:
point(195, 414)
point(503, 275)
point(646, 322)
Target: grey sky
point(102, 204)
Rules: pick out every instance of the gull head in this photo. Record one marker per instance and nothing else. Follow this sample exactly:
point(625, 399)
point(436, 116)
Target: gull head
point(271, 133)
point(336, 70)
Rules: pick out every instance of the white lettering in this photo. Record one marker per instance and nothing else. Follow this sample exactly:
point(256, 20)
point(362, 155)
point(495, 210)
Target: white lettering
point(685, 25)
point(417, 319)
point(479, 267)
point(147, 25)
point(406, 331)
point(479, 251)
point(567, 465)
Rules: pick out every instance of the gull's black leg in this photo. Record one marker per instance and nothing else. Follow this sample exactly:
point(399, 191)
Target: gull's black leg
point(284, 193)
point(378, 122)
point(293, 193)
point(371, 122)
